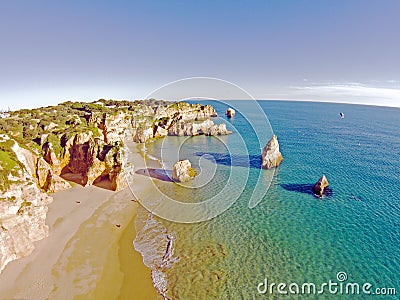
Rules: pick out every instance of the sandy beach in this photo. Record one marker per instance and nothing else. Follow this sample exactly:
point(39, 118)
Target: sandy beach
point(88, 253)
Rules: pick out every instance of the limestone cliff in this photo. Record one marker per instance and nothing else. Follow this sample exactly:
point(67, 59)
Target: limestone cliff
point(180, 119)
point(88, 158)
point(23, 206)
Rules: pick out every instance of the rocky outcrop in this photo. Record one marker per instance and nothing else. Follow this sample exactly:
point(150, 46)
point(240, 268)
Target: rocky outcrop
point(90, 156)
point(271, 156)
point(88, 160)
point(142, 135)
point(22, 220)
point(47, 179)
point(181, 119)
point(183, 171)
point(50, 157)
point(230, 112)
point(320, 187)
point(41, 172)
point(207, 127)
point(186, 111)
point(112, 126)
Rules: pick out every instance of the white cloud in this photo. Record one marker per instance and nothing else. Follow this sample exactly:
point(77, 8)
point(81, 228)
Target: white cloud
point(347, 93)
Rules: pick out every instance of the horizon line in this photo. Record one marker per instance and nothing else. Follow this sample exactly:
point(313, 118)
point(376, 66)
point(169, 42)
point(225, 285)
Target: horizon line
point(175, 100)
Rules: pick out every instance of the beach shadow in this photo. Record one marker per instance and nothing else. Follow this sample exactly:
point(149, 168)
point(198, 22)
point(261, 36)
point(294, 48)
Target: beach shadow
point(234, 160)
point(103, 181)
point(304, 188)
point(76, 178)
point(160, 174)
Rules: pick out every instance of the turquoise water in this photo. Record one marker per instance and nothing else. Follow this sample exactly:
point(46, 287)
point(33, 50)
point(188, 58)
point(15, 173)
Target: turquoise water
point(290, 236)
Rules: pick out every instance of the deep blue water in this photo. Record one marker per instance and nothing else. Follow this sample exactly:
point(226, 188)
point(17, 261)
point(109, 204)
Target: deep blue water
point(291, 236)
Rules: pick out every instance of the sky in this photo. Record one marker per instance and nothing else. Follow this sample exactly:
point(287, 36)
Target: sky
point(338, 50)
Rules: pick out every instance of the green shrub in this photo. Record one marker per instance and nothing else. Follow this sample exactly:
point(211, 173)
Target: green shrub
point(4, 182)
point(56, 143)
point(192, 172)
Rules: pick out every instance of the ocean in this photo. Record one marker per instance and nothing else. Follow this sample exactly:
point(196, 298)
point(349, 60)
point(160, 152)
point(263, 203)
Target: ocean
point(266, 226)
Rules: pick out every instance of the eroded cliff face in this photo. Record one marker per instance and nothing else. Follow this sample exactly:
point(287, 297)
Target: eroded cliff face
point(23, 207)
point(88, 158)
point(180, 119)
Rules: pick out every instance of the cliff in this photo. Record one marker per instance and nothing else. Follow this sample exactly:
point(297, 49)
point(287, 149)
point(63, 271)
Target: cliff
point(181, 119)
point(23, 206)
point(43, 150)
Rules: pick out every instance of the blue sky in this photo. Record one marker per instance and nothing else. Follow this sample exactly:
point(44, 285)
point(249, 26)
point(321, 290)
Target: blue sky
point(341, 51)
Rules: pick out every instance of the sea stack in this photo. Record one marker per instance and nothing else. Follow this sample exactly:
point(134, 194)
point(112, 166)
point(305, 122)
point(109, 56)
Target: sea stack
point(271, 156)
point(183, 171)
point(319, 187)
point(230, 112)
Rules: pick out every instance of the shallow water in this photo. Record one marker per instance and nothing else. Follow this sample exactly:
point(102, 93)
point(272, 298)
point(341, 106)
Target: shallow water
point(290, 236)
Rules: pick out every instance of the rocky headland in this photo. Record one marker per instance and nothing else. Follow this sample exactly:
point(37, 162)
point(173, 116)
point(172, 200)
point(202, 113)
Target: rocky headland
point(45, 150)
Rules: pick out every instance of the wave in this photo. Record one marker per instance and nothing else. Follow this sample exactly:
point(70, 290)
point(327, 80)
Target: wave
point(156, 245)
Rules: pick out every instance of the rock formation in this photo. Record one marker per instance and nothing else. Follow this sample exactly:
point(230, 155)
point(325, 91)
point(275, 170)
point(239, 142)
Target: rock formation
point(47, 179)
point(319, 187)
point(88, 158)
point(181, 119)
point(183, 171)
point(230, 112)
point(22, 220)
point(271, 156)
point(23, 207)
point(207, 127)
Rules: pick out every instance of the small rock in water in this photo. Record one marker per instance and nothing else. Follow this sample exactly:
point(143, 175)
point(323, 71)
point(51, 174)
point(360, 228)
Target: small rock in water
point(183, 171)
point(319, 187)
point(271, 156)
point(230, 112)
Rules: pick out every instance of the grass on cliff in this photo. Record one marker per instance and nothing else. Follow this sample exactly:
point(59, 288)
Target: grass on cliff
point(9, 164)
point(56, 143)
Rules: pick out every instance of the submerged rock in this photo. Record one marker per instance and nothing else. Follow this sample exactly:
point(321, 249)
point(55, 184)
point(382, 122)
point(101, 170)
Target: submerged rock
point(319, 187)
point(183, 171)
point(230, 112)
point(271, 156)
